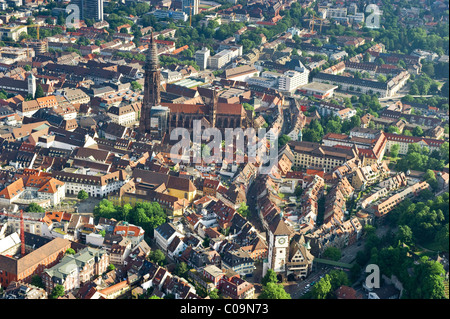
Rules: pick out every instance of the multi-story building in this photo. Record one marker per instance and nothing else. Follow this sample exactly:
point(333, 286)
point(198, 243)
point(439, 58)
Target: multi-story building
point(220, 59)
point(309, 154)
point(370, 174)
point(74, 270)
point(95, 185)
point(201, 57)
point(90, 9)
point(383, 89)
point(291, 80)
point(131, 232)
point(190, 7)
point(176, 15)
point(34, 263)
point(381, 209)
point(370, 150)
point(235, 287)
point(12, 32)
point(404, 141)
point(239, 261)
point(41, 188)
point(125, 115)
point(74, 96)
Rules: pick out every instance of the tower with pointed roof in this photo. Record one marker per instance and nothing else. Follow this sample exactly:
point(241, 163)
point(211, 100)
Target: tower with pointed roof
point(152, 90)
point(279, 237)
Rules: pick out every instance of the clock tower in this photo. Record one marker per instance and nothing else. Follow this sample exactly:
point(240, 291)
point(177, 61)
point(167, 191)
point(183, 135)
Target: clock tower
point(279, 237)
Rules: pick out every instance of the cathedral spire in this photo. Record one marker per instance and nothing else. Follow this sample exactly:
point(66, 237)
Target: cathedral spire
point(152, 81)
point(152, 61)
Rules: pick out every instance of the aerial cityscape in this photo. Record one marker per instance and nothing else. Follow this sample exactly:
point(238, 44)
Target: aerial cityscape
point(224, 150)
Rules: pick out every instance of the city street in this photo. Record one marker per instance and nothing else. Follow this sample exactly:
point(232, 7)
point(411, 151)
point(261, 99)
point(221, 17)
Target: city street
point(299, 288)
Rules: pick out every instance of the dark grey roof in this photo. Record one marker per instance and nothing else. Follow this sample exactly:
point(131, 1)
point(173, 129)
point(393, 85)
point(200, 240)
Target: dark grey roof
point(166, 230)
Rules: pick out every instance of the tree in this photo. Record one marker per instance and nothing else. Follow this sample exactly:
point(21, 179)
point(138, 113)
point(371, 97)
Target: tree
point(35, 208)
point(58, 291)
point(270, 276)
point(273, 291)
point(181, 269)
point(82, 195)
point(70, 251)
point(428, 281)
point(157, 256)
point(405, 235)
point(332, 253)
point(442, 238)
point(214, 294)
point(417, 131)
point(381, 78)
point(3, 94)
point(243, 210)
point(394, 150)
point(39, 92)
point(322, 288)
point(36, 280)
point(338, 278)
point(283, 140)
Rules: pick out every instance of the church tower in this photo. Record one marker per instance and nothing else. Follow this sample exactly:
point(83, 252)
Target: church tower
point(213, 108)
point(31, 81)
point(152, 91)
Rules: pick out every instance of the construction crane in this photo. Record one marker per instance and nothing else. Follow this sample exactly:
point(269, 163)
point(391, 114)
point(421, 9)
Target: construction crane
point(22, 227)
point(190, 14)
point(312, 21)
point(37, 29)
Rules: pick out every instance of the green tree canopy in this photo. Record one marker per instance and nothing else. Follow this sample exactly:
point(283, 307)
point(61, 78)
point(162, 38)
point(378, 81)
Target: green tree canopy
point(273, 291)
point(82, 195)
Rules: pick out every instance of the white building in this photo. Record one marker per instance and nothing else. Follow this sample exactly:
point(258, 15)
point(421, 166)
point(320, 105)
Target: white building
point(164, 235)
point(291, 80)
point(223, 57)
point(94, 185)
point(201, 58)
point(122, 115)
point(13, 32)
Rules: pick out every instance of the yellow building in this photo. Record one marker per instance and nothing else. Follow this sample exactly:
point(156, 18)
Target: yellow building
point(131, 193)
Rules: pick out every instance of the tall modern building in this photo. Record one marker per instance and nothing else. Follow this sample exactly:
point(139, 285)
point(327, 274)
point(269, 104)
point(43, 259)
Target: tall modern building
point(90, 9)
point(201, 57)
point(188, 5)
point(152, 90)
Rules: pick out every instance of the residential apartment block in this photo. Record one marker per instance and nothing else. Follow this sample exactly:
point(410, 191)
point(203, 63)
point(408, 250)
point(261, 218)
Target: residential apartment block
point(404, 141)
